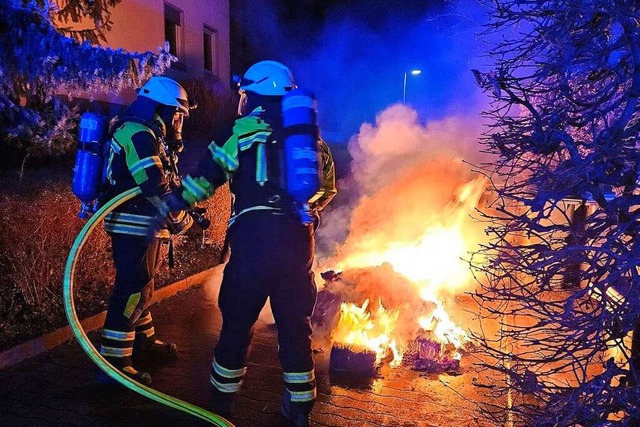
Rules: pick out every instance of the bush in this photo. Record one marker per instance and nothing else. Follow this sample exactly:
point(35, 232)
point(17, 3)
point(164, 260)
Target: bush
point(39, 224)
point(36, 130)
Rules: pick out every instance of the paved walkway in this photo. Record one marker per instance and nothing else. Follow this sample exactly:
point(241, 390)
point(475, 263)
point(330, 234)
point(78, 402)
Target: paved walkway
point(57, 388)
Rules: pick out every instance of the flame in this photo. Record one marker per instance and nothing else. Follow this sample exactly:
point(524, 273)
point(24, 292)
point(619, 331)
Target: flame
point(435, 260)
point(434, 263)
point(357, 328)
point(444, 329)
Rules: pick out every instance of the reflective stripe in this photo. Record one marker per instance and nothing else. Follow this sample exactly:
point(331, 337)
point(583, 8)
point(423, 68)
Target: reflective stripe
point(192, 186)
point(299, 377)
point(147, 332)
point(221, 156)
point(115, 146)
point(245, 142)
point(302, 396)
point(261, 164)
point(118, 335)
point(226, 388)
point(126, 223)
point(228, 373)
point(144, 320)
point(116, 352)
point(125, 229)
point(145, 163)
point(129, 218)
point(179, 217)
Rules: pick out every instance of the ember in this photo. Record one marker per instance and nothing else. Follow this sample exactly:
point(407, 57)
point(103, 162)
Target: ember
point(431, 356)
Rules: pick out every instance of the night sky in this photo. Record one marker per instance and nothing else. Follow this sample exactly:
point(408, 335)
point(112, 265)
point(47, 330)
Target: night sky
point(302, 21)
point(353, 54)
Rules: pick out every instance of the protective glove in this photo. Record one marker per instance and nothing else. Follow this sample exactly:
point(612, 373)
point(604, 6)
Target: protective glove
point(174, 201)
point(171, 215)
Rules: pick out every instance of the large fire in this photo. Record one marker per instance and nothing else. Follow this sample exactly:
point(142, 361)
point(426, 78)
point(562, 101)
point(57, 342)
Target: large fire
point(434, 263)
point(403, 236)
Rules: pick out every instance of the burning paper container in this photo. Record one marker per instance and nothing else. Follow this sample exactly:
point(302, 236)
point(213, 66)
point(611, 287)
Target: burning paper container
point(429, 356)
point(357, 362)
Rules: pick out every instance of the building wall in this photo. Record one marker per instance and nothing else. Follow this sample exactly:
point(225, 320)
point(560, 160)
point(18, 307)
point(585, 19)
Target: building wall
point(138, 25)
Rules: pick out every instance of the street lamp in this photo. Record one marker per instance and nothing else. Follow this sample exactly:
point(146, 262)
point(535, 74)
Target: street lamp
point(414, 72)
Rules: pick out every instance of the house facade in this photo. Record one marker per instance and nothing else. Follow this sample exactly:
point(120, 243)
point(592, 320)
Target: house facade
point(197, 32)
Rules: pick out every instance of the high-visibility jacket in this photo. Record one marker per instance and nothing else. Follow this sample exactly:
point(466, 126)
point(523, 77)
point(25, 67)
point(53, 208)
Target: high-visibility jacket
point(137, 158)
point(260, 186)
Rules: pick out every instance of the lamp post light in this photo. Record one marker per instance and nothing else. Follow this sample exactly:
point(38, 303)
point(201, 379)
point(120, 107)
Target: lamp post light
point(414, 72)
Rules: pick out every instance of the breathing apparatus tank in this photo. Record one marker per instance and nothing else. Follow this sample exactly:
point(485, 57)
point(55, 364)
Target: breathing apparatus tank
point(299, 119)
point(88, 171)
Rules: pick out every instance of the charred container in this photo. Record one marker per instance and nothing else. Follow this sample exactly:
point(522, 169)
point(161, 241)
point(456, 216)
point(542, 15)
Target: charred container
point(357, 362)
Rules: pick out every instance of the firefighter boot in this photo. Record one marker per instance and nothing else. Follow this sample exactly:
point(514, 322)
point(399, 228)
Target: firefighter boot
point(154, 351)
point(294, 418)
point(221, 403)
point(129, 371)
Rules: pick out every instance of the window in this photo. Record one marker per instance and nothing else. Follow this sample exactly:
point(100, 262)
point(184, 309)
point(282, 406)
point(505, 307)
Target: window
point(210, 46)
point(173, 29)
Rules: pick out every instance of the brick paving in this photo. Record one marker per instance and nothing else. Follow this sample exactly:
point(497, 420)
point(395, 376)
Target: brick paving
point(57, 387)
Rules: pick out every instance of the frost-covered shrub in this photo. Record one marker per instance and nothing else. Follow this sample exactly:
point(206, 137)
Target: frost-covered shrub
point(37, 61)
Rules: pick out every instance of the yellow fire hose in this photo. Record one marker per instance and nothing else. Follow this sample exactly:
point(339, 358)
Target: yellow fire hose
point(86, 345)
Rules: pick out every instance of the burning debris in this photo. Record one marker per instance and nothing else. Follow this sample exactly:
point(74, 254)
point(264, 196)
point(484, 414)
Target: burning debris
point(428, 355)
point(357, 329)
point(409, 232)
point(363, 335)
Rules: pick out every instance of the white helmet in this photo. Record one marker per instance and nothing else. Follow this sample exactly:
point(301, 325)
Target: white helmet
point(268, 78)
point(166, 91)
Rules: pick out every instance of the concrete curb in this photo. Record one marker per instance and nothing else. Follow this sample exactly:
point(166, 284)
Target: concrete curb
point(48, 341)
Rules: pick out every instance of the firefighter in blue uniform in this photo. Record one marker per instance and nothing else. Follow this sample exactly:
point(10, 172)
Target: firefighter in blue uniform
point(144, 144)
point(271, 249)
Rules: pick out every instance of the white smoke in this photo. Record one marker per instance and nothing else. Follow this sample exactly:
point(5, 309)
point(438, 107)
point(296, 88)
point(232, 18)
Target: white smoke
point(404, 174)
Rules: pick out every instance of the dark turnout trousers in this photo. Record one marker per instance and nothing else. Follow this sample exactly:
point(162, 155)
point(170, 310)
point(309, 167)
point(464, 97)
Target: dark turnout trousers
point(128, 318)
point(271, 256)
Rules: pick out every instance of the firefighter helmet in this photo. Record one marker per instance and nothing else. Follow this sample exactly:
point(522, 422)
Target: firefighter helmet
point(166, 91)
point(269, 78)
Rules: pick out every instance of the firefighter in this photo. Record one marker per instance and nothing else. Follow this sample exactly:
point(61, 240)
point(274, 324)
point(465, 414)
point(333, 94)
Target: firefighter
point(271, 249)
point(143, 151)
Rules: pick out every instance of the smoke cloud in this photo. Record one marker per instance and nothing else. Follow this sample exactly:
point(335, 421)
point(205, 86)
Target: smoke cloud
point(405, 176)
point(356, 60)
